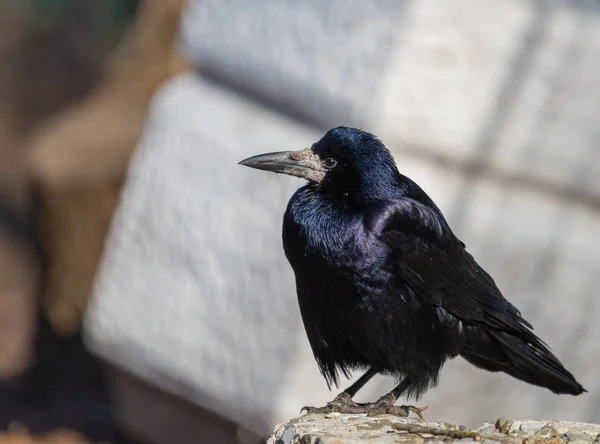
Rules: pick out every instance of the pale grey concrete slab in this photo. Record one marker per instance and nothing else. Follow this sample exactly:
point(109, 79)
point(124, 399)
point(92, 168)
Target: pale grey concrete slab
point(553, 129)
point(321, 59)
point(507, 83)
point(544, 255)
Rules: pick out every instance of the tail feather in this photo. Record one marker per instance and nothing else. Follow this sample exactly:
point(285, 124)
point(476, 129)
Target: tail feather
point(525, 358)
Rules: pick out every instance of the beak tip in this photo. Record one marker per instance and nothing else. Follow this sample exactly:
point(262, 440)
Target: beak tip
point(273, 162)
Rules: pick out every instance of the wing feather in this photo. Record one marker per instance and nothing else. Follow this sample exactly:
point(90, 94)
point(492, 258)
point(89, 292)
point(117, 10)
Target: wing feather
point(436, 265)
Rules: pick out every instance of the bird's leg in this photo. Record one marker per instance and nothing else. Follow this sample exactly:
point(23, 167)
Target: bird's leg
point(343, 402)
point(385, 404)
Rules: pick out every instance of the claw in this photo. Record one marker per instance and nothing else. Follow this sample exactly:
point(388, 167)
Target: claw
point(402, 410)
point(343, 403)
point(416, 410)
point(310, 410)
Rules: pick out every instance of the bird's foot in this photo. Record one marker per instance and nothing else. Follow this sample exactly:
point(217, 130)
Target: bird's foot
point(342, 403)
point(404, 410)
point(386, 405)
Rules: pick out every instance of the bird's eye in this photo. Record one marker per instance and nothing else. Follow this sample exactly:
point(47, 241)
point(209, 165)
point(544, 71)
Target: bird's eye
point(329, 162)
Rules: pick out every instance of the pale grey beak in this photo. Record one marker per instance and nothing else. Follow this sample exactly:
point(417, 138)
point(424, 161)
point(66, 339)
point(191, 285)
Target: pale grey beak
point(304, 164)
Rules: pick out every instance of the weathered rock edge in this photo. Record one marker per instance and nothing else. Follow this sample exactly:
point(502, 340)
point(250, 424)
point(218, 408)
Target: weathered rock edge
point(352, 429)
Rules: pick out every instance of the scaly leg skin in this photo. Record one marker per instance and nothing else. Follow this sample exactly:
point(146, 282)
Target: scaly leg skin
point(342, 403)
point(385, 404)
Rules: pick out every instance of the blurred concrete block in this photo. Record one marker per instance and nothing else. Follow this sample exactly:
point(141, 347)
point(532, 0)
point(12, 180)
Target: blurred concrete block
point(552, 131)
point(425, 71)
point(506, 83)
point(324, 60)
point(445, 71)
point(543, 254)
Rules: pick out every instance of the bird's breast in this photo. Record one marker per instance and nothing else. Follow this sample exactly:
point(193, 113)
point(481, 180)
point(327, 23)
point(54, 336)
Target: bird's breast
point(317, 234)
point(331, 251)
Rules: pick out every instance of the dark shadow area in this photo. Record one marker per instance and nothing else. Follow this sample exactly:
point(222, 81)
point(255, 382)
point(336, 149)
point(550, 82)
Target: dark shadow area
point(65, 388)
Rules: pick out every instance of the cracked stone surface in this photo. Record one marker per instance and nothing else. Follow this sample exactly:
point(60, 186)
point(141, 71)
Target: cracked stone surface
point(351, 429)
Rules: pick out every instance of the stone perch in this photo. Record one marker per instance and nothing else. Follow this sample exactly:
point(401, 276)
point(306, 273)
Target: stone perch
point(334, 428)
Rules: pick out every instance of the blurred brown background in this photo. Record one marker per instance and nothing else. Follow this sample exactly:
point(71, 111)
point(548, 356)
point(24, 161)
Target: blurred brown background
point(76, 78)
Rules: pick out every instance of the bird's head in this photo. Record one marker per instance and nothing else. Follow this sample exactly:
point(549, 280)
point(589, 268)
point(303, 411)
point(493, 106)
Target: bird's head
point(345, 161)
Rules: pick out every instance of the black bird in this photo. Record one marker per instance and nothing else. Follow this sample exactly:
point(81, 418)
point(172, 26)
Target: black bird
point(384, 284)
